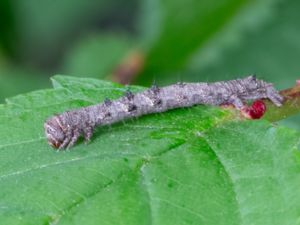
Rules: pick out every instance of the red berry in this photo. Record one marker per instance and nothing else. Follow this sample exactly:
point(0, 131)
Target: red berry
point(257, 109)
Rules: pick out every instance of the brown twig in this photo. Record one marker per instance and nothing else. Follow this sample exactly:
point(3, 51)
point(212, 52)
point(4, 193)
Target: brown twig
point(290, 106)
point(126, 72)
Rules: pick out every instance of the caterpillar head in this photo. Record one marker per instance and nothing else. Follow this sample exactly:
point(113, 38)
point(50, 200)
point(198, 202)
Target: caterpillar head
point(54, 131)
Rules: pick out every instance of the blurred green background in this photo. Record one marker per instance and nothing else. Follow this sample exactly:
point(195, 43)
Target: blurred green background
point(139, 41)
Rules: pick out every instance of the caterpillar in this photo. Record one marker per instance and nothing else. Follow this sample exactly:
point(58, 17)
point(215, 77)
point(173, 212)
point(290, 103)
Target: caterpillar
point(63, 130)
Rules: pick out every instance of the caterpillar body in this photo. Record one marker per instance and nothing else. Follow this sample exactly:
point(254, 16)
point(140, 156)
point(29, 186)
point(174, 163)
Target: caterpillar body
point(63, 130)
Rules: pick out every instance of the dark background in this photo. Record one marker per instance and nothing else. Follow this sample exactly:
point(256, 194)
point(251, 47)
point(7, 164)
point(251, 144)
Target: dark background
point(141, 41)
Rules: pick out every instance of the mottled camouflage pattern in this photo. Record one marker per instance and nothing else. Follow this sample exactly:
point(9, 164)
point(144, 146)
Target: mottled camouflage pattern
point(63, 130)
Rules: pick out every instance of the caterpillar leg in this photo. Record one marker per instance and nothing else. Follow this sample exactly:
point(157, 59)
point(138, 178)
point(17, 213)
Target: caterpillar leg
point(274, 96)
point(67, 139)
point(74, 138)
point(88, 133)
point(236, 101)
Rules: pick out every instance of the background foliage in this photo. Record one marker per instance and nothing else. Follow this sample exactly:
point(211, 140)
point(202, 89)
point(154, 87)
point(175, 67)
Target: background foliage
point(174, 40)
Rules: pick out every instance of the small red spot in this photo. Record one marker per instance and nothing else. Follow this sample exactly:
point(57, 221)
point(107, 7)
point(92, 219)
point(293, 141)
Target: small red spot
point(256, 110)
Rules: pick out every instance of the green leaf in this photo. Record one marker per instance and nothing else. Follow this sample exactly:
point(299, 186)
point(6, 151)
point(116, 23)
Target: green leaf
point(253, 37)
point(52, 26)
point(185, 166)
point(14, 80)
point(7, 26)
point(98, 56)
point(266, 46)
point(173, 30)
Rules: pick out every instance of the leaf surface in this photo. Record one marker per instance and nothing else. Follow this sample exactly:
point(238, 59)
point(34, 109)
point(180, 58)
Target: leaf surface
point(185, 166)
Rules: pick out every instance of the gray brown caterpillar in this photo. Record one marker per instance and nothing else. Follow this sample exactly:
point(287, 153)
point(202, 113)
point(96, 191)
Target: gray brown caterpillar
point(63, 130)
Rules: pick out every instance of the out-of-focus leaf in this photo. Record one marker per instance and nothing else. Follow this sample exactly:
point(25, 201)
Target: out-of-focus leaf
point(47, 27)
point(185, 166)
point(175, 29)
point(98, 55)
point(270, 49)
point(14, 80)
point(7, 28)
point(260, 38)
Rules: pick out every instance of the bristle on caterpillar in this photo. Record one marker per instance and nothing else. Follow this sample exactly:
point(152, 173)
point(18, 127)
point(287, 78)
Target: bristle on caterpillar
point(63, 130)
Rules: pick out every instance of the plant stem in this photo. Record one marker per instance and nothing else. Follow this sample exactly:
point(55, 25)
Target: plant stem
point(291, 105)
